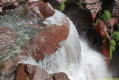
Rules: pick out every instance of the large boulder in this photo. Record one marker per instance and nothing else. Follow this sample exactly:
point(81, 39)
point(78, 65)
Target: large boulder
point(34, 72)
point(30, 72)
point(33, 30)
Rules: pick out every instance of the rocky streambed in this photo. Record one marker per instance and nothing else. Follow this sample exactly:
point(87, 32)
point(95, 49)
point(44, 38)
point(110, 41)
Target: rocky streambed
point(38, 42)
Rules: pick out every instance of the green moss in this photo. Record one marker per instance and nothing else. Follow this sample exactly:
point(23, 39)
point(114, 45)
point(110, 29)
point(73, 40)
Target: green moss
point(62, 6)
point(79, 4)
point(106, 16)
point(112, 47)
point(114, 39)
point(115, 36)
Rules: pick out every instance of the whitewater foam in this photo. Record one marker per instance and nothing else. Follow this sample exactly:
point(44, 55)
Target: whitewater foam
point(79, 62)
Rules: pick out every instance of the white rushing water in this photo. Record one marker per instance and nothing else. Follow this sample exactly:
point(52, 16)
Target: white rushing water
point(76, 58)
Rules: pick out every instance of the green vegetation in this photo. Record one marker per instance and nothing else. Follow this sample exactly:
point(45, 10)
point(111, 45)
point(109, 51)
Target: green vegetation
point(114, 39)
point(79, 4)
point(105, 16)
point(62, 6)
point(112, 47)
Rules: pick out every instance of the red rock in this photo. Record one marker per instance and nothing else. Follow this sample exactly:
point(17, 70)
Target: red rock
point(93, 5)
point(93, 16)
point(105, 48)
point(60, 76)
point(101, 29)
point(112, 21)
point(8, 67)
point(57, 76)
point(45, 8)
point(7, 37)
point(30, 72)
point(47, 41)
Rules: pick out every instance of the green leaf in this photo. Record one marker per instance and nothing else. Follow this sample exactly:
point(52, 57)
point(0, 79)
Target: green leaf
point(62, 6)
point(106, 15)
point(112, 47)
point(113, 43)
point(115, 36)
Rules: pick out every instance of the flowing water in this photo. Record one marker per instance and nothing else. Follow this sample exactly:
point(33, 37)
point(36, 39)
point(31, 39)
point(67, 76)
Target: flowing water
point(75, 57)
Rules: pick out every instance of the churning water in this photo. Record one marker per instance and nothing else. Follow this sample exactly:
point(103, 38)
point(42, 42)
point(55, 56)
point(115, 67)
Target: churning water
point(76, 59)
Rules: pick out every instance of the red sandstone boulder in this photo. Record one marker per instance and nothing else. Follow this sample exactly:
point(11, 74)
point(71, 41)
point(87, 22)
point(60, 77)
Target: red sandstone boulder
point(93, 16)
point(34, 72)
point(58, 76)
point(7, 37)
point(45, 8)
point(47, 41)
point(101, 28)
point(8, 67)
point(30, 72)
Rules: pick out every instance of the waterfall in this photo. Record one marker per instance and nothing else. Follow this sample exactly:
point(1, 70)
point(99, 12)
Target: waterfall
point(76, 59)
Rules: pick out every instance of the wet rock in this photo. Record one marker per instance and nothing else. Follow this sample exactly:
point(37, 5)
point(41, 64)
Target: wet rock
point(47, 41)
point(93, 5)
point(115, 9)
point(57, 76)
point(93, 16)
point(7, 37)
point(8, 67)
point(60, 76)
point(102, 31)
point(34, 72)
point(101, 28)
point(111, 23)
point(105, 48)
point(44, 8)
point(55, 4)
point(30, 72)
point(8, 5)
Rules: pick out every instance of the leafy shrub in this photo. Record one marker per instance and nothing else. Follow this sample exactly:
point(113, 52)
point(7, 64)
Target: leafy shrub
point(115, 36)
point(106, 16)
point(114, 39)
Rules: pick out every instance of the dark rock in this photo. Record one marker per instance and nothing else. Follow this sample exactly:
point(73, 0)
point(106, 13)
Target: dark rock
point(34, 72)
point(8, 5)
point(30, 72)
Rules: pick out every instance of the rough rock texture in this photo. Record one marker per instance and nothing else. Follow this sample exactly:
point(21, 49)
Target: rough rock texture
point(27, 34)
point(7, 37)
point(58, 76)
point(8, 67)
point(115, 9)
point(45, 8)
point(47, 41)
point(55, 4)
point(93, 5)
point(34, 72)
point(30, 72)
point(8, 5)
